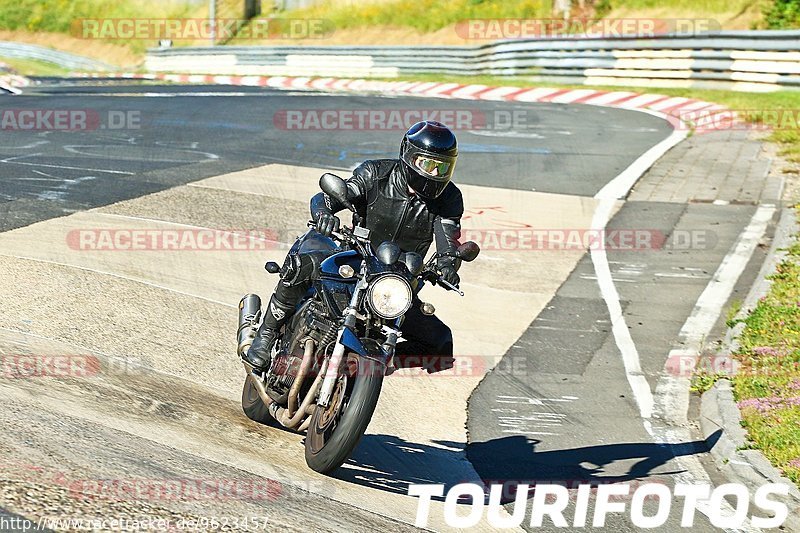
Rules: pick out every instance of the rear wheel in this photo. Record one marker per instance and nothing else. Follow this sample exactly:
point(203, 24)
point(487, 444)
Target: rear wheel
point(252, 405)
point(335, 431)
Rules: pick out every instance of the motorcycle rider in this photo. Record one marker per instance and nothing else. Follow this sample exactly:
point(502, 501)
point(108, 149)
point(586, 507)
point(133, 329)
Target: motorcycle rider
point(411, 201)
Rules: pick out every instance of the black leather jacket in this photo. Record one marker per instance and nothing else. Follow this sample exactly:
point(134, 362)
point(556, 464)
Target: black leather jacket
point(379, 192)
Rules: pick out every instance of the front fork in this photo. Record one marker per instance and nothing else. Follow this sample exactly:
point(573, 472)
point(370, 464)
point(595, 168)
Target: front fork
point(346, 338)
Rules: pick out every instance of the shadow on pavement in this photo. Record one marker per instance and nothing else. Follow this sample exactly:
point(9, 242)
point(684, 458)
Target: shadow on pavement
point(386, 462)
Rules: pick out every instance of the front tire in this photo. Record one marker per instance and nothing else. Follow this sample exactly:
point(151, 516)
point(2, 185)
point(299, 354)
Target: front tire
point(336, 431)
point(252, 405)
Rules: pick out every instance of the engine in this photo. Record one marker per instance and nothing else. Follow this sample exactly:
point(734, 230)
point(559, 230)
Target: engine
point(310, 324)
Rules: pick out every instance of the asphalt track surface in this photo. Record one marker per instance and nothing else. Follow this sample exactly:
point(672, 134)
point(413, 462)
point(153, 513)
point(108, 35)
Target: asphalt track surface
point(563, 413)
point(184, 138)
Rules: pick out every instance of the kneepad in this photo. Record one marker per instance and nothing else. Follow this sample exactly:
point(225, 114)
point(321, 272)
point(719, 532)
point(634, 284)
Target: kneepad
point(299, 268)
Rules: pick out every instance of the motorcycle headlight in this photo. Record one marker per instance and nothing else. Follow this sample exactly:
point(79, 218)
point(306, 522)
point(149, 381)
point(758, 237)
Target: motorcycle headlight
point(390, 296)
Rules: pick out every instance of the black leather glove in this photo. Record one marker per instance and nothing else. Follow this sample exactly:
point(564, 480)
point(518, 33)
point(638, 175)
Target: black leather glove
point(327, 223)
point(449, 274)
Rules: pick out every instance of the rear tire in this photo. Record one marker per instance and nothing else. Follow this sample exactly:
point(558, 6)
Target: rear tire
point(332, 437)
point(252, 405)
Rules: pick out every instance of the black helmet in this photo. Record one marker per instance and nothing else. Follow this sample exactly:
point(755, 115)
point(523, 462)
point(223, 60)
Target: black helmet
point(428, 156)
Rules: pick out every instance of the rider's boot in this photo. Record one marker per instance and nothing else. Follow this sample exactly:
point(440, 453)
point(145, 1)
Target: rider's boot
point(276, 315)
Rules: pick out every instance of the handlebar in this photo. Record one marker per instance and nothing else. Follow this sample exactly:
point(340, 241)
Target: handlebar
point(429, 273)
point(343, 235)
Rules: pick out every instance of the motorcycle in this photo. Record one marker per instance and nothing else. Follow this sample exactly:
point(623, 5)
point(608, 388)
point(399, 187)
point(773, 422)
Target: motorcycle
point(329, 360)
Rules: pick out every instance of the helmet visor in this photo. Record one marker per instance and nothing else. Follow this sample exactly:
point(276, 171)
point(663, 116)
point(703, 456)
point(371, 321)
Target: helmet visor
point(433, 167)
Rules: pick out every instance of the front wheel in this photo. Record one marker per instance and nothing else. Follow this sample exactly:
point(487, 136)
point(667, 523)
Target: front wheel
point(252, 404)
point(335, 431)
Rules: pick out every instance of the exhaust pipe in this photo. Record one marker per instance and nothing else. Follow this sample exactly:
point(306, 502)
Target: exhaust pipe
point(249, 317)
point(282, 416)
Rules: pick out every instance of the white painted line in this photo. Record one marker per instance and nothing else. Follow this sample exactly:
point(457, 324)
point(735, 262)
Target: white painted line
point(618, 188)
point(515, 432)
point(622, 336)
point(621, 185)
point(672, 393)
point(9, 88)
point(11, 161)
point(709, 306)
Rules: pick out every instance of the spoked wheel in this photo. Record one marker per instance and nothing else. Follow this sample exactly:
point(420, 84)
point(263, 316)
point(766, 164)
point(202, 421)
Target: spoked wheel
point(252, 405)
point(335, 431)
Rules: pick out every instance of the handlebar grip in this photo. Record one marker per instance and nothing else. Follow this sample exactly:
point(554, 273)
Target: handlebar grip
point(449, 286)
point(335, 234)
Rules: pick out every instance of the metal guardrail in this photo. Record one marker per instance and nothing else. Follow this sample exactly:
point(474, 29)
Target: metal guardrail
point(747, 60)
point(71, 61)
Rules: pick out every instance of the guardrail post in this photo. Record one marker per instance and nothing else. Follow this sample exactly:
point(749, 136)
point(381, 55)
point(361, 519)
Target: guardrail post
point(252, 8)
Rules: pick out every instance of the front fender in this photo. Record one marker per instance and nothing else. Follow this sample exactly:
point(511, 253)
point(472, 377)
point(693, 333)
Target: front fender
point(354, 344)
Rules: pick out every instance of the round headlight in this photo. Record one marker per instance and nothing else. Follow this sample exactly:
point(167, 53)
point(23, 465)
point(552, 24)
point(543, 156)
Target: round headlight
point(390, 296)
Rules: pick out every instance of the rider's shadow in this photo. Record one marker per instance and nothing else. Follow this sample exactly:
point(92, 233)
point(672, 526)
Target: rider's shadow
point(389, 463)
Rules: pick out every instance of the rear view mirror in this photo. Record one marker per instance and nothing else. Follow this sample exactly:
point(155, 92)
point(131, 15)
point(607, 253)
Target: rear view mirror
point(336, 188)
point(468, 251)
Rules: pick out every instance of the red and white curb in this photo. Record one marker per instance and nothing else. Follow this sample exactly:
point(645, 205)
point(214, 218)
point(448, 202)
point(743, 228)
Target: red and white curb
point(670, 107)
point(10, 83)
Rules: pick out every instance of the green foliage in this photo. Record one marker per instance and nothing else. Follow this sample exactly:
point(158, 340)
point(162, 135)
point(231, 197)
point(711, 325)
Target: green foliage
point(424, 15)
point(782, 14)
point(32, 67)
point(60, 15)
point(702, 381)
point(768, 382)
point(602, 8)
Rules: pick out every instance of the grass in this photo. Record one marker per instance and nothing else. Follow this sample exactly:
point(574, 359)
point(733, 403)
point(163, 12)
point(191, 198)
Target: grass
point(427, 16)
point(423, 15)
point(733, 311)
point(32, 67)
point(64, 16)
point(60, 16)
point(767, 385)
point(699, 5)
